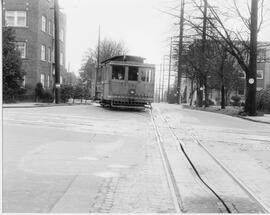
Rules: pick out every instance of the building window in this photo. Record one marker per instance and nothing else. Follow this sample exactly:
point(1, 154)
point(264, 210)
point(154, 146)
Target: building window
point(43, 23)
point(242, 74)
point(43, 53)
point(48, 81)
point(53, 29)
point(49, 55)
point(61, 59)
point(241, 91)
point(15, 18)
point(23, 83)
point(259, 74)
point(50, 27)
point(62, 35)
point(21, 47)
point(42, 79)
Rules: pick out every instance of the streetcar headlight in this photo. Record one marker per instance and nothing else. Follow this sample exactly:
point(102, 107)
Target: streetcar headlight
point(132, 92)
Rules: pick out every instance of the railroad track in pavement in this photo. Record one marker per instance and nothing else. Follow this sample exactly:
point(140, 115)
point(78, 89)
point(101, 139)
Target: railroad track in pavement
point(247, 202)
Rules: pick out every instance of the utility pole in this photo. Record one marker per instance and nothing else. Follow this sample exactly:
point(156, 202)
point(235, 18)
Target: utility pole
point(203, 50)
point(169, 76)
point(202, 61)
point(57, 52)
point(98, 63)
point(180, 50)
point(163, 70)
point(159, 89)
point(251, 82)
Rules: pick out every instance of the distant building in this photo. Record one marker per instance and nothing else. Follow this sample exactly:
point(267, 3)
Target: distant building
point(33, 21)
point(263, 69)
point(263, 78)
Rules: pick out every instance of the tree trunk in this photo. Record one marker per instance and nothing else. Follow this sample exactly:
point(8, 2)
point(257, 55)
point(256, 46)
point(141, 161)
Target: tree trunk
point(222, 96)
point(191, 94)
point(199, 94)
point(206, 102)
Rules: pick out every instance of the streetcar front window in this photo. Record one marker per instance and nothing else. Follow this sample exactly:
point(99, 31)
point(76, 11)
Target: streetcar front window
point(118, 72)
point(133, 73)
point(146, 74)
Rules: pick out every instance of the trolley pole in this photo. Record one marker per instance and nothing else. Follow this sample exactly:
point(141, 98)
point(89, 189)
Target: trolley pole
point(57, 52)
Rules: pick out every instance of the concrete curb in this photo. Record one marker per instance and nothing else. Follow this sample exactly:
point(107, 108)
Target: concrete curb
point(238, 116)
point(252, 120)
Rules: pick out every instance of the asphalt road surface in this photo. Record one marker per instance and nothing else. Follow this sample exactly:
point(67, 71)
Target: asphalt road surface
point(81, 159)
point(85, 158)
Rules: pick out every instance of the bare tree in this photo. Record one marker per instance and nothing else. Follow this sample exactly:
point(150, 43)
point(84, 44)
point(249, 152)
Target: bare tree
point(236, 42)
point(108, 49)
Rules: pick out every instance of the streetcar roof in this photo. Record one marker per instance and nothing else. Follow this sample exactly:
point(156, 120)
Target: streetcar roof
point(130, 63)
point(125, 58)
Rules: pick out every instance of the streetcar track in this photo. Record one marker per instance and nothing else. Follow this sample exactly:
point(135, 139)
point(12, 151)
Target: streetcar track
point(181, 146)
point(176, 197)
point(243, 187)
point(250, 193)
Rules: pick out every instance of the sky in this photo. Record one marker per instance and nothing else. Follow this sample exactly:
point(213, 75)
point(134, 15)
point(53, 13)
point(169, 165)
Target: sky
point(139, 24)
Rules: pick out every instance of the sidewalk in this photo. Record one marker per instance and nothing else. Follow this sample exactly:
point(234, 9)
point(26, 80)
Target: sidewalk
point(232, 111)
point(262, 119)
point(37, 104)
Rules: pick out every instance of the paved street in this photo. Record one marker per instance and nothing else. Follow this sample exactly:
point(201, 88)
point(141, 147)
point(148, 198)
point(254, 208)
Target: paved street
point(84, 158)
point(241, 145)
point(81, 159)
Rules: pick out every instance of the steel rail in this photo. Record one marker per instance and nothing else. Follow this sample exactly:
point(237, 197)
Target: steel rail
point(181, 148)
point(247, 190)
point(176, 197)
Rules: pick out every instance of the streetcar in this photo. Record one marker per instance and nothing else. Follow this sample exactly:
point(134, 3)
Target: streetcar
point(126, 81)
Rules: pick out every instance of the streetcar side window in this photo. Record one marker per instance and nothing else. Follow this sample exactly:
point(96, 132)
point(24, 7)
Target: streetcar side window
point(133, 73)
point(118, 72)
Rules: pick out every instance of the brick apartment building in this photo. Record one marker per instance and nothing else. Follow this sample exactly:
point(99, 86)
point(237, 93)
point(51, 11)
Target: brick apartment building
point(33, 21)
point(263, 70)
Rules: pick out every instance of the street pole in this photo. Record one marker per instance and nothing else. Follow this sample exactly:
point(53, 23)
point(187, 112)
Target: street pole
point(57, 52)
point(202, 61)
point(1, 79)
point(203, 51)
point(163, 71)
point(98, 62)
point(159, 89)
point(169, 76)
point(252, 83)
point(180, 49)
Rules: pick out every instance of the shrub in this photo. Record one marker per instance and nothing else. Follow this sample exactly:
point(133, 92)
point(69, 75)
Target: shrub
point(263, 100)
point(172, 97)
point(235, 100)
point(39, 92)
point(48, 96)
point(210, 102)
point(67, 92)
